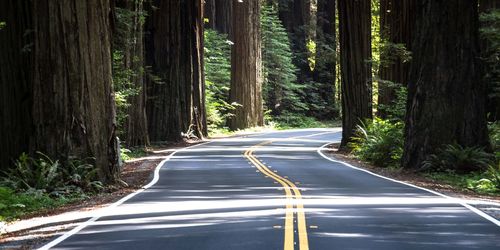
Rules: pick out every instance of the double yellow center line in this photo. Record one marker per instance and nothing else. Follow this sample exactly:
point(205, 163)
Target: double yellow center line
point(292, 193)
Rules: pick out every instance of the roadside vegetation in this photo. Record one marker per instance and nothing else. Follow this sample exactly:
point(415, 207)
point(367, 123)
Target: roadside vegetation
point(380, 141)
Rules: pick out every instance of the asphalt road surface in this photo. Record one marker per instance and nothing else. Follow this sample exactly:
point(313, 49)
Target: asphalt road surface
point(275, 191)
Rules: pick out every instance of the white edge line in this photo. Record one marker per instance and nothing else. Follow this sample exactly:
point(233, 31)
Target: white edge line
point(455, 200)
point(102, 212)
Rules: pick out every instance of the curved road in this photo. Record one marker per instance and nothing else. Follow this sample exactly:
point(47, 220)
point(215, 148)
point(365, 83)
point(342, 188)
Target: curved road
point(274, 191)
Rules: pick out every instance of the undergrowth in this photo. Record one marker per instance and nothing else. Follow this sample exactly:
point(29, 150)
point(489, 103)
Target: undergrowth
point(38, 183)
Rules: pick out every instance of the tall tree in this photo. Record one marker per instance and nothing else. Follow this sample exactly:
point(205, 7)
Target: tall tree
point(15, 79)
point(129, 41)
point(219, 14)
point(355, 54)
point(246, 65)
point(174, 51)
point(73, 104)
point(396, 27)
point(446, 98)
point(324, 71)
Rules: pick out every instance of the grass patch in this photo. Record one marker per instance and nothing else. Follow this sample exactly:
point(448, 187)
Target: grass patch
point(133, 153)
point(16, 205)
point(478, 182)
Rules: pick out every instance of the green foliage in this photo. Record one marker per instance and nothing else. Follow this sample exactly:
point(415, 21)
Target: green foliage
point(14, 205)
point(379, 142)
point(494, 175)
point(133, 153)
point(479, 182)
point(395, 111)
point(494, 131)
point(47, 176)
point(2, 25)
point(125, 70)
point(391, 53)
point(281, 91)
point(217, 79)
point(289, 120)
point(458, 158)
point(30, 173)
point(124, 89)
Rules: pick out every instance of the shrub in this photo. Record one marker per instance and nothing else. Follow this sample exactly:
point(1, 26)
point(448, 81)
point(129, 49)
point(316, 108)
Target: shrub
point(45, 175)
point(379, 142)
point(292, 120)
point(494, 130)
point(14, 205)
point(494, 175)
point(458, 158)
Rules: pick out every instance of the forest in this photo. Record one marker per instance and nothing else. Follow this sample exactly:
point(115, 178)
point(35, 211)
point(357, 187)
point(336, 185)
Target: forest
point(414, 84)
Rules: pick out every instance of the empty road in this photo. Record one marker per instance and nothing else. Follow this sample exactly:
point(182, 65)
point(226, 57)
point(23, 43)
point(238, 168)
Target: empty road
point(275, 191)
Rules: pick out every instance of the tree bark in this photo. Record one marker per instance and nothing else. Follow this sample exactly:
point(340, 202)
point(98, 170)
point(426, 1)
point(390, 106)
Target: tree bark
point(174, 50)
point(324, 72)
point(355, 54)
point(73, 104)
point(446, 98)
point(246, 65)
point(396, 26)
point(15, 80)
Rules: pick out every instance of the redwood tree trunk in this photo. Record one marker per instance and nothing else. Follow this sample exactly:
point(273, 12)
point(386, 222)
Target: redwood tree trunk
point(246, 65)
point(355, 54)
point(73, 104)
point(174, 50)
point(446, 98)
point(396, 26)
point(324, 72)
point(15, 80)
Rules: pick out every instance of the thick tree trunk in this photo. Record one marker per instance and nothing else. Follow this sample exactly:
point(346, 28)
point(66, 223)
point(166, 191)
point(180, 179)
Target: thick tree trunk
point(396, 26)
point(174, 50)
point(246, 65)
point(493, 103)
point(324, 72)
point(136, 130)
point(446, 98)
point(15, 80)
point(73, 104)
point(355, 54)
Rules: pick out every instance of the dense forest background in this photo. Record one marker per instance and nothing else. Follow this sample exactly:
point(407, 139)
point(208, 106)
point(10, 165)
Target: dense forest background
point(414, 83)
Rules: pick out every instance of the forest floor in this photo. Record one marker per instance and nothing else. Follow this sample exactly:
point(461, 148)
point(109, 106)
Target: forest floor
point(34, 229)
point(488, 203)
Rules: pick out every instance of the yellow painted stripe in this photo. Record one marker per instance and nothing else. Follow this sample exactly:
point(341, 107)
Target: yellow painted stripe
point(301, 220)
point(289, 241)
